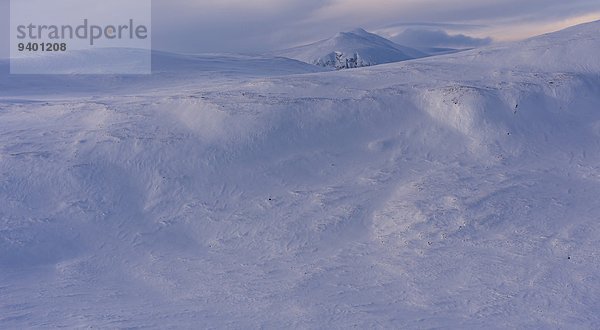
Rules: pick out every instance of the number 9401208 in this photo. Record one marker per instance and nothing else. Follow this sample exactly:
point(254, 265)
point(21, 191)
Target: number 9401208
point(42, 47)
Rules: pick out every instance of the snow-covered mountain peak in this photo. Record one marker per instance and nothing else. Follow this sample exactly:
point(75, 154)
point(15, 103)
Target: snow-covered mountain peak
point(356, 48)
point(359, 31)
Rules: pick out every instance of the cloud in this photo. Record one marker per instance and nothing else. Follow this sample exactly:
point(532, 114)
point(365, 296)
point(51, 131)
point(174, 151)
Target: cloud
point(260, 25)
point(432, 25)
point(255, 26)
point(453, 10)
point(228, 25)
point(438, 38)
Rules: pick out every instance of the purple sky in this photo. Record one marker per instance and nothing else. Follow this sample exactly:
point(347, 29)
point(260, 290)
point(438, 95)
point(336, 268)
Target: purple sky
point(259, 25)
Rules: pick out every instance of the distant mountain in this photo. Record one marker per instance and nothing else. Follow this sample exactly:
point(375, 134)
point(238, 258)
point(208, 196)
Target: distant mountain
point(434, 51)
point(357, 48)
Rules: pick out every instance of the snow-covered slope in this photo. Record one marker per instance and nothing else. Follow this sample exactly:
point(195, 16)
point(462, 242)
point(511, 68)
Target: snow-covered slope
point(570, 50)
point(91, 61)
point(451, 192)
point(231, 65)
point(135, 60)
point(357, 48)
point(167, 68)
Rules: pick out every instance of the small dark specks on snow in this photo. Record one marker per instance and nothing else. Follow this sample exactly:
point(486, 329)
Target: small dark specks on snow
point(569, 257)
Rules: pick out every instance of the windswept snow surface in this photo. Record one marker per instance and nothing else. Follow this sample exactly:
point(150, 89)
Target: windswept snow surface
point(354, 49)
point(452, 192)
point(167, 70)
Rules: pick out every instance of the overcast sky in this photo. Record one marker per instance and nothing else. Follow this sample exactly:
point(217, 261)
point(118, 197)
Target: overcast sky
point(259, 25)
